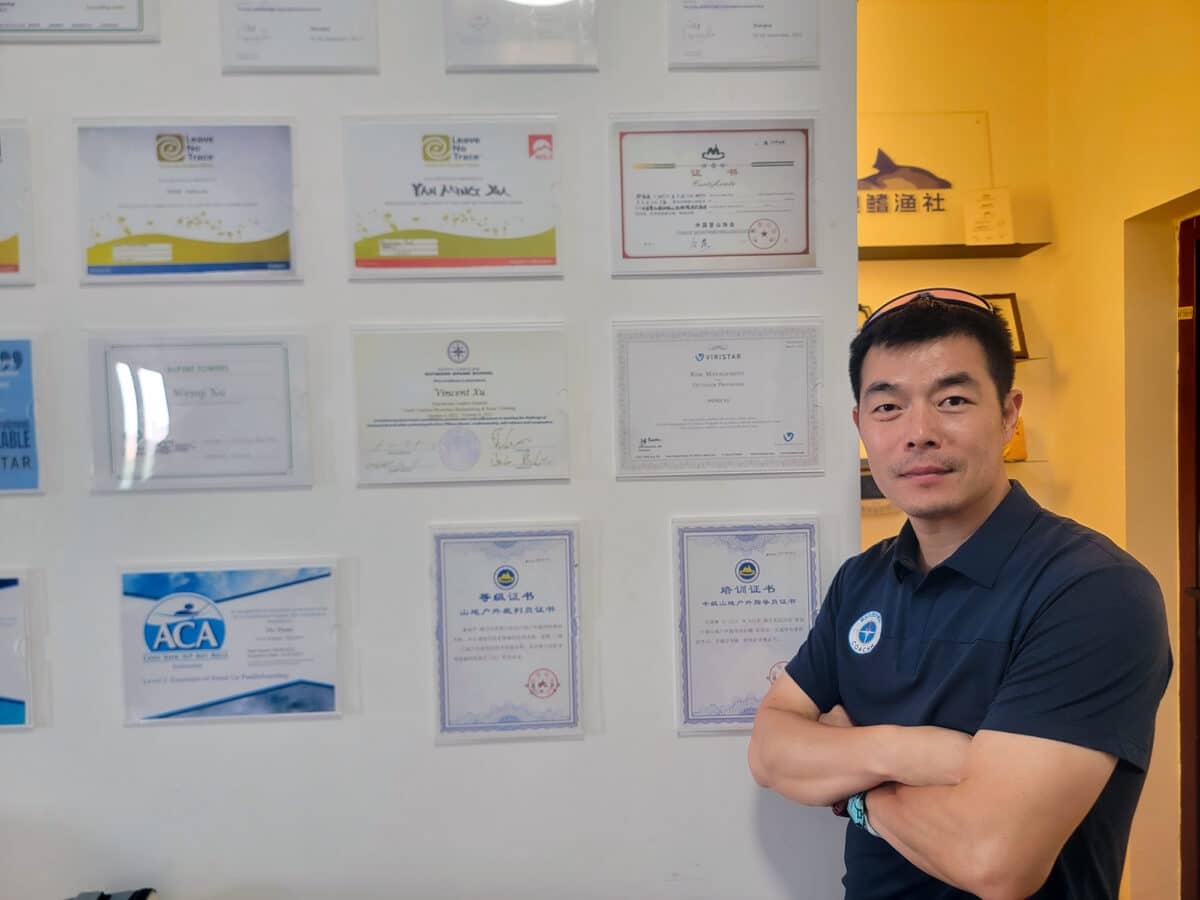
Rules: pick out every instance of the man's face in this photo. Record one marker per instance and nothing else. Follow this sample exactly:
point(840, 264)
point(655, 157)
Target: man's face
point(935, 429)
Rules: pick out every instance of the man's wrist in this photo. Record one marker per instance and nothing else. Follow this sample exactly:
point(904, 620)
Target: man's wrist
point(856, 808)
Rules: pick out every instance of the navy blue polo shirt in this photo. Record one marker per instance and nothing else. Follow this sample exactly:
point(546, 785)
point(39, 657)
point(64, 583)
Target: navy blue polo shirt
point(1036, 625)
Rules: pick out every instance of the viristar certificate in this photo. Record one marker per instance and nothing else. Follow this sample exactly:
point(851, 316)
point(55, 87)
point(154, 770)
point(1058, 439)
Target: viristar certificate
point(184, 201)
point(718, 397)
point(79, 20)
point(18, 430)
point(16, 206)
point(465, 404)
point(742, 33)
point(712, 196)
point(452, 197)
point(747, 595)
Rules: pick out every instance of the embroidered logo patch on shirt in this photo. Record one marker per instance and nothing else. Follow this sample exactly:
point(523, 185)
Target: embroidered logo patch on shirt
point(865, 632)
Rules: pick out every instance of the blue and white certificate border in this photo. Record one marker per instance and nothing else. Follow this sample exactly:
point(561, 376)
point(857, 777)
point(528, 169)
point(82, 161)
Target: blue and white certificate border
point(341, 624)
point(99, 460)
point(25, 588)
point(687, 720)
point(570, 727)
point(807, 329)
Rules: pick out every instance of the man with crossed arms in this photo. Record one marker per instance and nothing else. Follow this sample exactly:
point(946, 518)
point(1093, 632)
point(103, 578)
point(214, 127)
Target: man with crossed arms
point(979, 692)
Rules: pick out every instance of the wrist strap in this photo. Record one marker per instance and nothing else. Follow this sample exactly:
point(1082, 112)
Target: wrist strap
point(856, 808)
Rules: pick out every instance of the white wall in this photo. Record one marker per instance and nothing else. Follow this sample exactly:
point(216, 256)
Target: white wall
point(367, 806)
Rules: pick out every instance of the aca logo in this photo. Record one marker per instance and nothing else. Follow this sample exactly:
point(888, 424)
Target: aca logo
point(713, 153)
point(184, 622)
point(505, 577)
point(541, 146)
point(170, 148)
point(435, 148)
point(747, 571)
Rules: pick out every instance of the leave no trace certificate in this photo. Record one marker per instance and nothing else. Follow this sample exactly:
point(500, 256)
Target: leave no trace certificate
point(712, 196)
point(718, 397)
point(217, 643)
point(16, 693)
point(179, 201)
point(16, 206)
point(472, 404)
point(748, 592)
point(79, 20)
point(457, 197)
point(742, 33)
point(188, 412)
point(318, 35)
point(507, 632)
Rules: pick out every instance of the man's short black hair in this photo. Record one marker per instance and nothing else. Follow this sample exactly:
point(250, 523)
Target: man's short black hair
point(928, 319)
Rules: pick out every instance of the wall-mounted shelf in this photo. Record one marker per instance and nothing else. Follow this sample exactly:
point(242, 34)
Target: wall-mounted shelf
point(949, 251)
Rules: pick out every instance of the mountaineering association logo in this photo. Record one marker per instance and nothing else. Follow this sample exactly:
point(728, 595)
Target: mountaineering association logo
point(713, 154)
point(865, 632)
point(747, 571)
point(184, 622)
point(505, 577)
point(435, 147)
point(458, 351)
point(541, 146)
point(170, 148)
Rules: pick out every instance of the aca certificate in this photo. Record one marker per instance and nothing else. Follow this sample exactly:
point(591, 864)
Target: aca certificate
point(748, 592)
point(16, 693)
point(507, 632)
point(79, 20)
point(186, 201)
point(229, 642)
point(198, 411)
point(501, 34)
point(455, 197)
point(712, 196)
point(742, 33)
point(718, 397)
point(16, 206)
point(325, 36)
point(18, 431)
point(470, 404)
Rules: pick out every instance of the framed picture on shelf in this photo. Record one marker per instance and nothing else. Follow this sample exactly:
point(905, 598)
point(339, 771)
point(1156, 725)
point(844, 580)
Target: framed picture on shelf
point(1006, 305)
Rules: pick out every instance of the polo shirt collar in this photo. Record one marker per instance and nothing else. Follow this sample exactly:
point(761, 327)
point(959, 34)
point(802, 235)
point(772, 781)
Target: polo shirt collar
point(982, 554)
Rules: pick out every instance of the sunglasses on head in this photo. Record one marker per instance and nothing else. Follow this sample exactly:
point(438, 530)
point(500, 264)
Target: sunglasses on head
point(943, 295)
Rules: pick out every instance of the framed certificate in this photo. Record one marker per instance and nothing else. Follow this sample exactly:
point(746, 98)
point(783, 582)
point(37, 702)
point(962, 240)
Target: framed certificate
point(16, 205)
point(747, 593)
point(18, 430)
point(520, 34)
point(229, 642)
point(477, 403)
point(179, 202)
point(79, 20)
point(452, 197)
point(507, 632)
point(315, 36)
point(763, 33)
point(718, 397)
point(16, 682)
point(729, 195)
point(198, 411)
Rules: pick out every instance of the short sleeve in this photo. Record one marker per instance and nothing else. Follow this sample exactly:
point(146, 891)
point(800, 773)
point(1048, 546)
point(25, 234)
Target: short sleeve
point(814, 667)
point(1091, 668)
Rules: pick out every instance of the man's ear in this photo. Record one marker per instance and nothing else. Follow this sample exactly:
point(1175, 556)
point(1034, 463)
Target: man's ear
point(854, 415)
point(1009, 412)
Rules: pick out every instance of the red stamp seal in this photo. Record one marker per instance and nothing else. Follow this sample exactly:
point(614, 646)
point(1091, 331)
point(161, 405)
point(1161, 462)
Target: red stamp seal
point(776, 671)
point(542, 683)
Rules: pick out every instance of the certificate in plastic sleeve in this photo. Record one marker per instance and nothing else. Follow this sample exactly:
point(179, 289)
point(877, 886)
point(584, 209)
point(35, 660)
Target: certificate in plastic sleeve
point(229, 642)
point(452, 197)
point(177, 201)
point(198, 411)
point(718, 397)
point(708, 195)
point(747, 594)
point(462, 404)
point(507, 632)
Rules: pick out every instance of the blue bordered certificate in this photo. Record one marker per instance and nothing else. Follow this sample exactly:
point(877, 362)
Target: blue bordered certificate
point(79, 20)
point(16, 693)
point(229, 642)
point(507, 632)
point(18, 432)
point(190, 411)
point(747, 594)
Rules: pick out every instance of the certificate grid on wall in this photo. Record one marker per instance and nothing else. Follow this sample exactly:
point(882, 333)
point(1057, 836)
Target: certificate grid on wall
point(747, 592)
point(507, 632)
point(198, 411)
point(229, 642)
point(712, 195)
point(16, 682)
point(79, 20)
point(763, 34)
point(718, 397)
